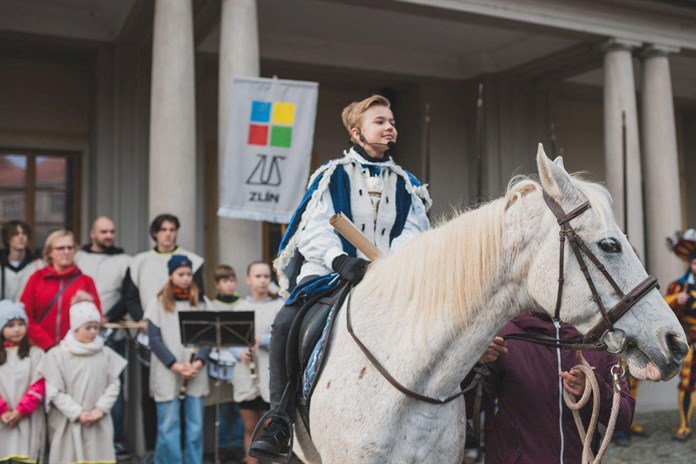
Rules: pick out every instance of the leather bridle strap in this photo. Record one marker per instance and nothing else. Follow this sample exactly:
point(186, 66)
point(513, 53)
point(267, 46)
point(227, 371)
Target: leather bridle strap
point(626, 303)
point(563, 220)
point(579, 248)
point(480, 371)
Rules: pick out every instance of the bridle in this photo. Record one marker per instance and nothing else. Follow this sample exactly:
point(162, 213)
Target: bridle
point(603, 336)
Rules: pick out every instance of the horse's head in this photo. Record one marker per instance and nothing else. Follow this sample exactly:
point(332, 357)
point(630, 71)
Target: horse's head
point(656, 341)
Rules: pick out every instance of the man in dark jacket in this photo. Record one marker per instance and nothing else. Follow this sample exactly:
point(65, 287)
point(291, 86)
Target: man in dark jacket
point(533, 425)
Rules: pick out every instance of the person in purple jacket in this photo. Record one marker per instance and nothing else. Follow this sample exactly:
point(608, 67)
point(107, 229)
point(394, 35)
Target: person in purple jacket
point(532, 424)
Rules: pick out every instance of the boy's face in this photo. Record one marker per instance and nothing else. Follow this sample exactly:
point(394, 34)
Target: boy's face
point(165, 237)
point(259, 278)
point(87, 333)
point(19, 240)
point(226, 286)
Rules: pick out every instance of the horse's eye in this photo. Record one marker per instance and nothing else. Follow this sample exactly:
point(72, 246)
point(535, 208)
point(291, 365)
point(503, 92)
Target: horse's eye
point(610, 245)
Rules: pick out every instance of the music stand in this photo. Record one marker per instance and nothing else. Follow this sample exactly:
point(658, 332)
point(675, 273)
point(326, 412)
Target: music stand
point(217, 329)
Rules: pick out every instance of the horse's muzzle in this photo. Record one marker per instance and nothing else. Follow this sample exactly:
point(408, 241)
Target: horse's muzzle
point(676, 347)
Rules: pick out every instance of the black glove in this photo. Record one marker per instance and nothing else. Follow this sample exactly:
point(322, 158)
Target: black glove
point(351, 269)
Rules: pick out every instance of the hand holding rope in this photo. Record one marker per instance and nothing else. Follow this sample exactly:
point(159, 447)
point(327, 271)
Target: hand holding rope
point(586, 435)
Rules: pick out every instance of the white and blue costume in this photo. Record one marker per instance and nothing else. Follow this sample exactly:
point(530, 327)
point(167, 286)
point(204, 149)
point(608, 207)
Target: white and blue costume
point(386, 202)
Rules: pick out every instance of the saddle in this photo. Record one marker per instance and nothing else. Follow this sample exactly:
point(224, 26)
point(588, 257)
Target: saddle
point(308, 326)
point(308, 340)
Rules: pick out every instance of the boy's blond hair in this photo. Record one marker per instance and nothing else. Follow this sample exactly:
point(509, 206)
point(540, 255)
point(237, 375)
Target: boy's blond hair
point(352, 114)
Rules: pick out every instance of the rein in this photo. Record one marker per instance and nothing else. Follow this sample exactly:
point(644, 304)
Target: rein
point(476, 382)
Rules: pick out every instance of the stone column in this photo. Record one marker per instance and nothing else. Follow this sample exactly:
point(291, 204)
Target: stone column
point(172, 179)
point(620, 97)
point(239, 240)
point(659, 138)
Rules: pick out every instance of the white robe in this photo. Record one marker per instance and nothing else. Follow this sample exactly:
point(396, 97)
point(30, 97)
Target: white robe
point(148, 271)
point(247, 388)
point(220, 391)
point(165, 384)
point(107, 271)
point(15, 281)
point(74, 384)
point(25, 440)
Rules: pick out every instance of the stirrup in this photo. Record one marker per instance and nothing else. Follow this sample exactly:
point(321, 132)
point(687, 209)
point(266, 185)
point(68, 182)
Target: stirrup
point(260, 427)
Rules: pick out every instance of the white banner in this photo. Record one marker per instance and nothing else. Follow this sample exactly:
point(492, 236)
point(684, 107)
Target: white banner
point(268, 148)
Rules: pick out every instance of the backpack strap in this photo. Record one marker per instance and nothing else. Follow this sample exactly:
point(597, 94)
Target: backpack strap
point(55, 297)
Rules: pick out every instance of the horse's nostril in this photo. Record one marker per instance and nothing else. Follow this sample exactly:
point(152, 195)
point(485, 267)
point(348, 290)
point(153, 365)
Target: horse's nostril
point(677, 347)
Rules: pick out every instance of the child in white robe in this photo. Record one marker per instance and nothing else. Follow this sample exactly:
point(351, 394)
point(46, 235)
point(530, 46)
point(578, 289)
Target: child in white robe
point(22, 422)
point(176, 381)
point(251, 384)
point(82, 384)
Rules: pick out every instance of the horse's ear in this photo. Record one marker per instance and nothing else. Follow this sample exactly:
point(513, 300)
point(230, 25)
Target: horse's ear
point(554, 178)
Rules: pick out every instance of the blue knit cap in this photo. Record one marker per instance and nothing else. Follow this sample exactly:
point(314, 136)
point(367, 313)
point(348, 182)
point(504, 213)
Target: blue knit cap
point(9, 310)
point(177, 261)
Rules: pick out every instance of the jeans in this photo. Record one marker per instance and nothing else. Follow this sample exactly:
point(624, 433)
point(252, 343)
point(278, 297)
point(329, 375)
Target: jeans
point(168, 448)
point(231, 432)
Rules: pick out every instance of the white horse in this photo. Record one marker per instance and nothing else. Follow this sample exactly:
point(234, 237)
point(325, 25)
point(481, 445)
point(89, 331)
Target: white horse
point(428, 312)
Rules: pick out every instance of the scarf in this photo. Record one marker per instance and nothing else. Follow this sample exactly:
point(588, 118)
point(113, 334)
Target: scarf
point(71, 344)
point(229, 299)
point(181, 294)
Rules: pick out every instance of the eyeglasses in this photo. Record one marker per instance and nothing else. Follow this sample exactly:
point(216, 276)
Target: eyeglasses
point(64, 248)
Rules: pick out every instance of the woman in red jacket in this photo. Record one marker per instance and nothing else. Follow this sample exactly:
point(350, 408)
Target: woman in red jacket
point(49, 291)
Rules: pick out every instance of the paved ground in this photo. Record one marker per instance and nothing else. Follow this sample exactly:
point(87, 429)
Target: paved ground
point(659, 447)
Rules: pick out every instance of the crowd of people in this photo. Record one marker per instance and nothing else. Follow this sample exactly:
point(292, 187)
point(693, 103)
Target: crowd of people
point(52, 315)
point(53, 307)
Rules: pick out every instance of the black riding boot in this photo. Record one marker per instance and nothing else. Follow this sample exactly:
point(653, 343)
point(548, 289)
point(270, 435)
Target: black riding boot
point(273, 441)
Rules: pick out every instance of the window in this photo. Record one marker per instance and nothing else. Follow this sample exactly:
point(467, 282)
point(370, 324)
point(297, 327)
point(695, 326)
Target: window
point(41, 188)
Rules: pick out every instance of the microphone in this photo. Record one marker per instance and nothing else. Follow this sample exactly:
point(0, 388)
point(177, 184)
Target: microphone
point(391, 144)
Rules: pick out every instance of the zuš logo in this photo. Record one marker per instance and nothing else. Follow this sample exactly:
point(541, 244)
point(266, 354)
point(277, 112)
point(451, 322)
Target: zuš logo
point(271, 124)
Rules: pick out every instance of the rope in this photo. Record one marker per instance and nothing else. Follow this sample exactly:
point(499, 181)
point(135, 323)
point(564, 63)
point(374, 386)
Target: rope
point(586, 436)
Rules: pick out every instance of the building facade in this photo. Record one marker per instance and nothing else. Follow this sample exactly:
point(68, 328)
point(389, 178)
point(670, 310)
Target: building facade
point(120, 108)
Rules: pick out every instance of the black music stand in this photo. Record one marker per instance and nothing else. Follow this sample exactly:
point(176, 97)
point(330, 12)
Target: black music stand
point(217, 329)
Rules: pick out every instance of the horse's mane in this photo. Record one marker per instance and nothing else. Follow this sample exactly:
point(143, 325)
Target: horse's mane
point(446, 272)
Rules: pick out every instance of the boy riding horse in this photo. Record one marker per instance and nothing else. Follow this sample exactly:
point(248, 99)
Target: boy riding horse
point(384, 201)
